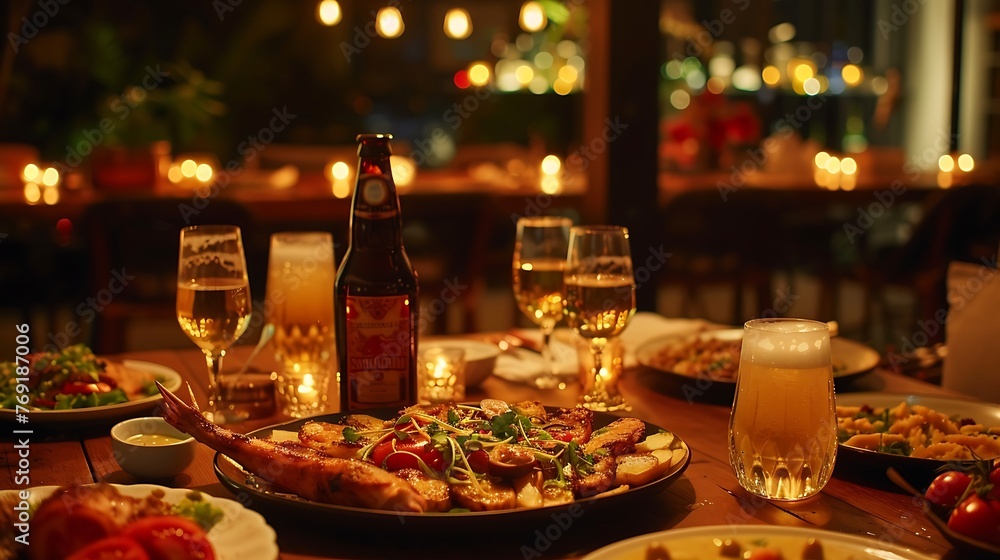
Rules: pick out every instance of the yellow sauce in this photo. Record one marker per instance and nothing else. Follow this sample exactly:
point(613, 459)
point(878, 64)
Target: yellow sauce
point(152, 439)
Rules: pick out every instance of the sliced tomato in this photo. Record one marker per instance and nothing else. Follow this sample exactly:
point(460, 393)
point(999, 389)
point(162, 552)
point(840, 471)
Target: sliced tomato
point(396, 454)
point(59, 531)
point(83, 388)
point(479, 460)
point(977, 518)
point(947, 489)
point(111, 548)
point(764, 554)
point(995, 481)
point(170, 538)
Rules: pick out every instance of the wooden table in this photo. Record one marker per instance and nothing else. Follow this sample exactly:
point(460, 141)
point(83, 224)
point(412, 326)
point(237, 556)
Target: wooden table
point(707, 494)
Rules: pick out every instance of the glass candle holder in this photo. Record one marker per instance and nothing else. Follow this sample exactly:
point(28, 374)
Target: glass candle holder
point(441, 375)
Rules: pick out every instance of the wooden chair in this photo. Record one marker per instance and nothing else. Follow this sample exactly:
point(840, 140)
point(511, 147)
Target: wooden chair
point(132, 246)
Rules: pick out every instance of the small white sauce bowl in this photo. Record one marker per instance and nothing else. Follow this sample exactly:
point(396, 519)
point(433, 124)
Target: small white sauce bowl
point(151, 462)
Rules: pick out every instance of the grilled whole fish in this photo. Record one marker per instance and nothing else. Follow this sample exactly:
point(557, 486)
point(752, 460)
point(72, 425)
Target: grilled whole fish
point(305, 472)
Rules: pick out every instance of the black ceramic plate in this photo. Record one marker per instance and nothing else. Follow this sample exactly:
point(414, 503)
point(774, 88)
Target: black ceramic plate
point(263, 494)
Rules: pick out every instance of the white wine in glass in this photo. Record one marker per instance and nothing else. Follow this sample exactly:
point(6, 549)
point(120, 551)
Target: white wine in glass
point(600, 300)
point(539, 288)
point(213, 301)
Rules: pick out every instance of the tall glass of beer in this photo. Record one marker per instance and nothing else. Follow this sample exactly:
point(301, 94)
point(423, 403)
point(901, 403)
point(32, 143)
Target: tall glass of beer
point(300, 306)
point(783, 428)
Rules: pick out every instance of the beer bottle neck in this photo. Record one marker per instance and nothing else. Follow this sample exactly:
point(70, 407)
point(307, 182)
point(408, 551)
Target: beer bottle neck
point(376, 223)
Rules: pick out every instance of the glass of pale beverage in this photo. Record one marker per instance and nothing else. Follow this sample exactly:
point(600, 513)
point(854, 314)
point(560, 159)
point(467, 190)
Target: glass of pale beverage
point(600, 300)
point(213, 301)
point(299, 303)
point(539, 261)
point(783, 428)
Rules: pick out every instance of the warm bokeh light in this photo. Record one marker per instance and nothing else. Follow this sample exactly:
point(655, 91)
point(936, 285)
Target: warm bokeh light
point(551, 184)
point(457, 23)
point(551, 164)
point(781, 33)
point(855, 55)
point(770, 75)
point(803, 71)
point(562, 87)
point(852, 74)
point(404, 170)
point(746, 78)
point(524, 74)
point(966, 163)
point(328, 12)
point(174, 174)
point(821, 159)
point(832, 165)
point(811, 86)
point(479, 74)
point(50, 177)
point(848, 182)
point(848, 166)
point(568, 74)
point(189, 168)
point(340, 170)
point(32, 194)
point(544, 60)
point(31, 172)
point(341, 189)
point(946, 163)
point(672, 70)
point(461, 79)
point(680, 99)
point(203, 172)
point(716, 85)
point(389, 23)
point(945, 180)
point(532, 17)
point(50, 195)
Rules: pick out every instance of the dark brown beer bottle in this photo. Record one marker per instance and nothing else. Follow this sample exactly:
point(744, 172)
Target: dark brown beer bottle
point(376, 291)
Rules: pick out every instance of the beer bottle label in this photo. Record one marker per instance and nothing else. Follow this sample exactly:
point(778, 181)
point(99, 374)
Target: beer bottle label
point(375, 203)
point(378, 349)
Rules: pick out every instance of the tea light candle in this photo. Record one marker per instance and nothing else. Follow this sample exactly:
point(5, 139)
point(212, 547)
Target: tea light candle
point(441, 375)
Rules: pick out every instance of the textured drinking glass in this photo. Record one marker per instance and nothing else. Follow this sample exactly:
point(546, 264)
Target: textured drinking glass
point(600, 300)
point(300, 275)
point(783, 428)
point(539, 262)
point(213, 301)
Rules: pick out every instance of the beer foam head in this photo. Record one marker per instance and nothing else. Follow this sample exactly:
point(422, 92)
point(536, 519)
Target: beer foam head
point(787, 343)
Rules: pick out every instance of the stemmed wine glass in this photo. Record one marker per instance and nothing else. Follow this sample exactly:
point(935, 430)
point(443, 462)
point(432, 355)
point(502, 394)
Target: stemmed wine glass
point(600, 300)
point(213, 300)
point(539, 261)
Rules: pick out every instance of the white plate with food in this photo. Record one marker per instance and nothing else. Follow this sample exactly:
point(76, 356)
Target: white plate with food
point(234, 533)
point(916, 434)
point(752, 541)
point(76, 386)
point(715, 355)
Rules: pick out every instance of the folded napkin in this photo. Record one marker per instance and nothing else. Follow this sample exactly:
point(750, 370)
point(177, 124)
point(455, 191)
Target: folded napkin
point(972, 328)
point(523, 366)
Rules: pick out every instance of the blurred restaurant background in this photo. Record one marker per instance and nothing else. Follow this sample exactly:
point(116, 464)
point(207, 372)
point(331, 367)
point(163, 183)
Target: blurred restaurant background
point(821, 159)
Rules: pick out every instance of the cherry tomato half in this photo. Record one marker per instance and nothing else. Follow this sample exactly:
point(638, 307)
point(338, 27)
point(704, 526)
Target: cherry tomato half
point(111, 548)
point(170, 538)
point(395, 454)
point(479, 460)
point(977, 518)
point(947, 488)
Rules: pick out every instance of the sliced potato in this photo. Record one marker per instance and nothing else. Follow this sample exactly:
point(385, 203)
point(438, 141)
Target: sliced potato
point(528, 490)
point(436, 492)
point(679, 454)
point(636, 469)
point(662, 440)
point(553, 495)
point(665, 457)
point(495, 496)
